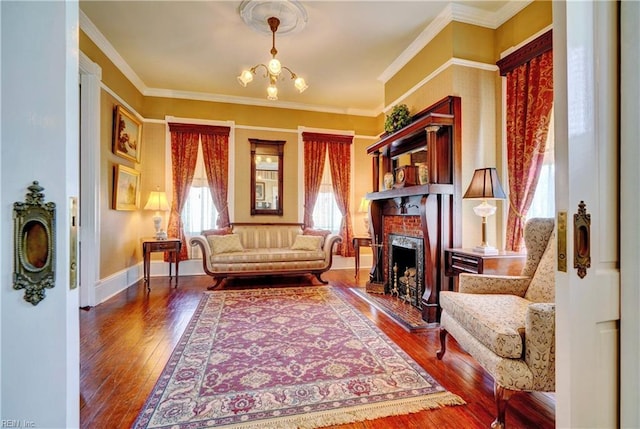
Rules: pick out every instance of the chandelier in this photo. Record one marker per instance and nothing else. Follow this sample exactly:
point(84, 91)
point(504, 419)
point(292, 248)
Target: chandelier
point(273, 69)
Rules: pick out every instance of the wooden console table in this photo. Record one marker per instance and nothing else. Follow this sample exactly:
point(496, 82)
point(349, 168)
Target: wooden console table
point(357, 242)
point(171, 245)
point(458, 261)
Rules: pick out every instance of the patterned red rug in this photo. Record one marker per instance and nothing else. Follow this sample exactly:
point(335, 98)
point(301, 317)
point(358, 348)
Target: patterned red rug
point(285, 358)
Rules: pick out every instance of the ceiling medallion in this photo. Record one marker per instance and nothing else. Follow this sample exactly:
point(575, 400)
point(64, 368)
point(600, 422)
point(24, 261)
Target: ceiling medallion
point(291, 13)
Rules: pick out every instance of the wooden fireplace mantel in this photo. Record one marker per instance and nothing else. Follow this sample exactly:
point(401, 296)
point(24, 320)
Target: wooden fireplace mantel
point(438, 130)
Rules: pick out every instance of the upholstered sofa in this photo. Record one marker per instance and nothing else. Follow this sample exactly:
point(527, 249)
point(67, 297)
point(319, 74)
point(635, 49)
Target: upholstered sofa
point(507, 323)
point(258, 249)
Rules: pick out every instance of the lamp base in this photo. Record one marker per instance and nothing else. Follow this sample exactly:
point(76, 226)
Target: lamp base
point(486, 250)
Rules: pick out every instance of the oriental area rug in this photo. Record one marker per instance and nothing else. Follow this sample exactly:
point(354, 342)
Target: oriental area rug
point(285, 358)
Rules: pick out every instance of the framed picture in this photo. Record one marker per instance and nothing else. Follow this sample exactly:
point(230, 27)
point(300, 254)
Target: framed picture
point(127, 134)
point(126, 188)
point(259, 191)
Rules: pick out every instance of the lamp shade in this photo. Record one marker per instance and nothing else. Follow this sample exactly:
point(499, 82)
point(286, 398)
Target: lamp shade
point(157, 201)
point(364, 206)
point(485, 185)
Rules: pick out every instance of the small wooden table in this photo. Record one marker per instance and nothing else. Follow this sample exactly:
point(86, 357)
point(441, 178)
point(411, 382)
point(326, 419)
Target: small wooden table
point(357, 242)
point(458, 261)
point(171, 245)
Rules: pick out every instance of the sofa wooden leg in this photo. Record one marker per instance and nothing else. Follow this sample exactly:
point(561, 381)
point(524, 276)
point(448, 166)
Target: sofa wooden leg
point(443, 343)
point(324, 282)
point(501, 396)
point(216, 284)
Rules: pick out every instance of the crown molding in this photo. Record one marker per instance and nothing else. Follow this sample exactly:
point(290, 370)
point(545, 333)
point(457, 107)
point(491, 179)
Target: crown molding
point(453, 12)
point(107, 48)
point(217, 98)
point(436, 72)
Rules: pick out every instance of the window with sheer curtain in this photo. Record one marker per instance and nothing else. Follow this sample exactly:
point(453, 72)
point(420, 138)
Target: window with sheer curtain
point(326, 214)
point(544, 203)
point(199, 212)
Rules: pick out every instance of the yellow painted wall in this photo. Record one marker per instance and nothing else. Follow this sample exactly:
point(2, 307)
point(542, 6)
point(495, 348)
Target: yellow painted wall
point(529, 21)
point(119, 230)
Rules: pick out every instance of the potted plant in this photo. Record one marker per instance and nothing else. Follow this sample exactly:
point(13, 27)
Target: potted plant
point(397, 119)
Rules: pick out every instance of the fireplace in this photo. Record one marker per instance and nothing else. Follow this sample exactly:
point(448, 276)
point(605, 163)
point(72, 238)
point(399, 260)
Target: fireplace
point(406, 268)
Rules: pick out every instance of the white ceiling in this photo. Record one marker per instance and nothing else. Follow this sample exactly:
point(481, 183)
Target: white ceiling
point(195, 49)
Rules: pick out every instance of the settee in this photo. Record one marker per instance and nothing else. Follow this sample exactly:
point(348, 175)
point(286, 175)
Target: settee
point(507, 323)
point(261, 249)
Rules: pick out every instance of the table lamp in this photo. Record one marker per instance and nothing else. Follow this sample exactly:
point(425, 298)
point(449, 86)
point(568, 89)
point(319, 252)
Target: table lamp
point(485, 185)
point(364, 208)
point(158, 202)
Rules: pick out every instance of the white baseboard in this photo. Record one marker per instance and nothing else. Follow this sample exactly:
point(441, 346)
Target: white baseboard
point(116, 283)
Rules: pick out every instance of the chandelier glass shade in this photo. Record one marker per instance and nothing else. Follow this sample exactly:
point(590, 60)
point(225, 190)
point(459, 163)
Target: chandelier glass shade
point(273, 68)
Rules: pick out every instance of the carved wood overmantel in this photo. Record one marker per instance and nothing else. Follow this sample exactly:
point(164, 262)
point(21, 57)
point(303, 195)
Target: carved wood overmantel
point(437, 130)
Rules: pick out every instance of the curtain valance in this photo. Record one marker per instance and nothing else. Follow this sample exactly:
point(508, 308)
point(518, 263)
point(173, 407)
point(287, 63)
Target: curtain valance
point(536, 47)
point(200, 129)
point(327, 138)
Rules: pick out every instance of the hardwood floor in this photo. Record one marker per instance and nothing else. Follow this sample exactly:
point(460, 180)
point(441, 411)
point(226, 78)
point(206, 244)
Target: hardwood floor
point(126, 341)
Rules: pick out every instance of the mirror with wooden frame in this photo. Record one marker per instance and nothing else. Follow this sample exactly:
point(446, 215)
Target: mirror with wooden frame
point(266, 176)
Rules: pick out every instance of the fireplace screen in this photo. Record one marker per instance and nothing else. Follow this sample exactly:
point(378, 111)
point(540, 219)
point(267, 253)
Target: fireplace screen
point(406, 269)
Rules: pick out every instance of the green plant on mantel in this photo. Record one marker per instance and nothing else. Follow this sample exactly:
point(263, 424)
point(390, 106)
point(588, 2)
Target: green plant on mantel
point(398, 118)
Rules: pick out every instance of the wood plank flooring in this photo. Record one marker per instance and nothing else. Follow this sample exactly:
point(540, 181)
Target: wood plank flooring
point(126, 341)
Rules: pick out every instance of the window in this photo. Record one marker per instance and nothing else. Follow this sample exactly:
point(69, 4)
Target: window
point(326, 214)
point(543, 203)
point(199, 212)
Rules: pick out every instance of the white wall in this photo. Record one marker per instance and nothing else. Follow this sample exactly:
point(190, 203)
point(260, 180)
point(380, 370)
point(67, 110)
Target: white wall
point(39, 141)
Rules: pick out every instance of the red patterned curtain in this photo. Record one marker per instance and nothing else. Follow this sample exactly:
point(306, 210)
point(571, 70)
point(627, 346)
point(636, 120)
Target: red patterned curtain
point(529, 102)
point(340, 164)
point(315, 151)
point(215, 150)
point(184, 153)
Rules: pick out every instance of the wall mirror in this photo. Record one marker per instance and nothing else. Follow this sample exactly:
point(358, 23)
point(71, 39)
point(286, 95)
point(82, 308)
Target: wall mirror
point(266, 176)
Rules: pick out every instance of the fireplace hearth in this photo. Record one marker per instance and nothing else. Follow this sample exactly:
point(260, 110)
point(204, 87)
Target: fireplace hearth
point(406, 268)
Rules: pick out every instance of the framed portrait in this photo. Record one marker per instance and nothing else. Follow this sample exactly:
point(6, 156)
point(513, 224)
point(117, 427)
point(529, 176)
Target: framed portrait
point(127, 134)
point(126, 188)
point(259, 191)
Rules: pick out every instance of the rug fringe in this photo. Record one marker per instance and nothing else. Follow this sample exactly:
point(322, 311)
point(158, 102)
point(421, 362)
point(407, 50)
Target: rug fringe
point(357, 413)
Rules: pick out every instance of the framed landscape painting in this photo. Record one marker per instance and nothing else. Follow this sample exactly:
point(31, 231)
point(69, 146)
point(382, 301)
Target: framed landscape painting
point(127, 134)
point(126, 188)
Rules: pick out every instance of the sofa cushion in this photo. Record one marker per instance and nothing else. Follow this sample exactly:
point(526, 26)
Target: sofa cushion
point(497, 321)
point(251, 256)
point(307, 242)
point(324, 233)
point(221, 231)
point(542, 286)
point(225, 243)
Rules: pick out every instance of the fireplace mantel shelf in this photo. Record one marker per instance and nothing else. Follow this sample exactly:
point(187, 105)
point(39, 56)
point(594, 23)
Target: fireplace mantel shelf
point(409, 191)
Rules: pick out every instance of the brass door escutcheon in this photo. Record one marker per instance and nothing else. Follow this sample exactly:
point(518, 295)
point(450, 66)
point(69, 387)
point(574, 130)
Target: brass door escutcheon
point(582, 240)
point(562, 242)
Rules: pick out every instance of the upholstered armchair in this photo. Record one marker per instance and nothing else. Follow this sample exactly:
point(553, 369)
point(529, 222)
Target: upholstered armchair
point(507, 323)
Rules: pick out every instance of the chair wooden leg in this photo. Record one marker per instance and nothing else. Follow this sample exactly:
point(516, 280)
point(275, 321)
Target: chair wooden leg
point(501, 396)
point(443, 343)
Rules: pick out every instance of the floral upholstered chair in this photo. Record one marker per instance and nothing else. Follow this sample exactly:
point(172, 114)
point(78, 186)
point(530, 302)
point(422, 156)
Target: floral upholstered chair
point(507, 323)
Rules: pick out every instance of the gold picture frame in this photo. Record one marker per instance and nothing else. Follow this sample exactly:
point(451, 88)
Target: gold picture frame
point(127, 134)
point(34, 241)
point(126, 188)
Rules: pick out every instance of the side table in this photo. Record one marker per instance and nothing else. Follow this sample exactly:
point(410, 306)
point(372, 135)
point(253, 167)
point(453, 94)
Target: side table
point(357, 242)
point(171, 245)
point(458, 261)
